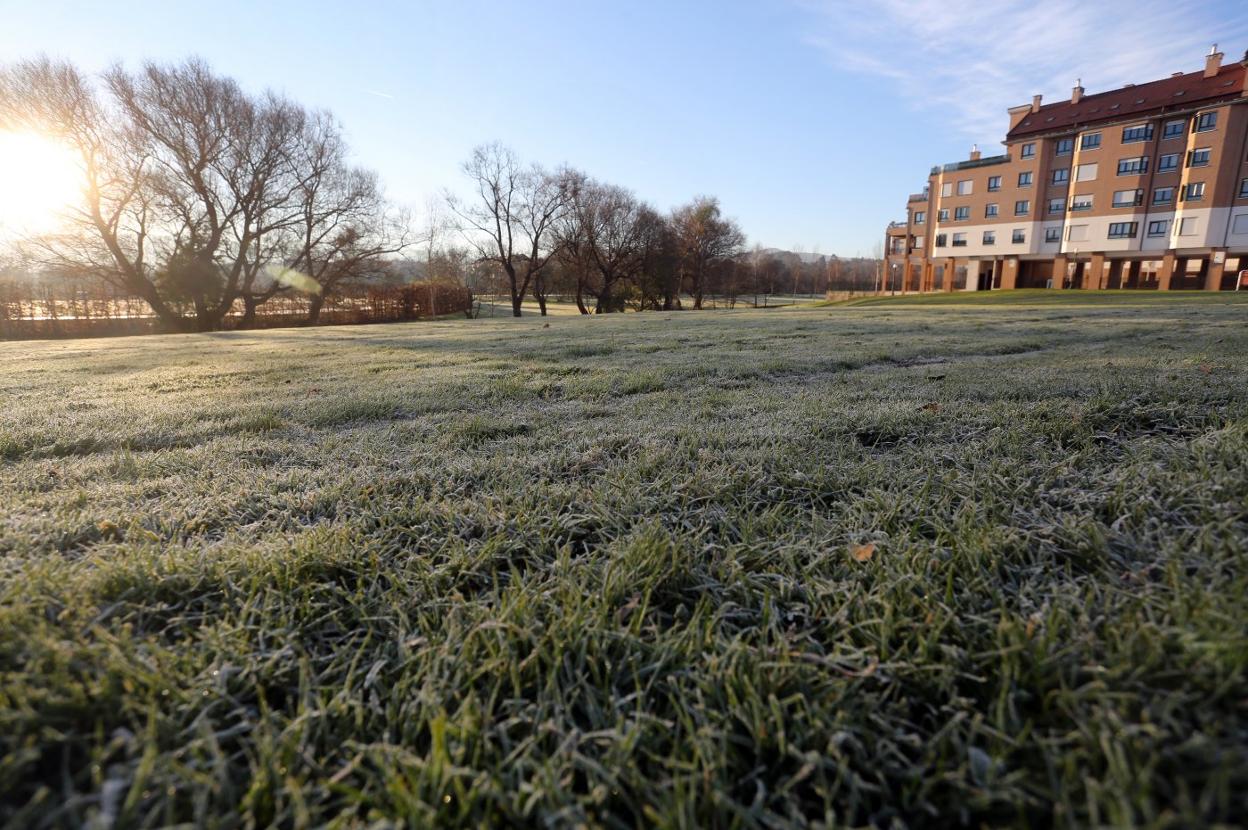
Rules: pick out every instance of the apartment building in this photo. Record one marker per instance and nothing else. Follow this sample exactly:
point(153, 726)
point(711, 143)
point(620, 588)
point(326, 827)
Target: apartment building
point(1140, 187)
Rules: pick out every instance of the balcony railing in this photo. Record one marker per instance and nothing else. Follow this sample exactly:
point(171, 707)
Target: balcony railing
point(970, 165)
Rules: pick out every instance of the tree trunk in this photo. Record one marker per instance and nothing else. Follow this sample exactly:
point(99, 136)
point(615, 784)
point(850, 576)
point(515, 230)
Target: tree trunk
point(250, 304)
point(517, 296)
point(314, 309)
point(169, 318)
point(580, 295)
point(539, 293)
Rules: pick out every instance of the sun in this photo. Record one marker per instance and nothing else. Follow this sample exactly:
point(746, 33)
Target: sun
point(39, 179)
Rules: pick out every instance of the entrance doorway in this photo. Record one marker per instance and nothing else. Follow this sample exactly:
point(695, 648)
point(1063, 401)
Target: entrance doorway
point(1075, 275)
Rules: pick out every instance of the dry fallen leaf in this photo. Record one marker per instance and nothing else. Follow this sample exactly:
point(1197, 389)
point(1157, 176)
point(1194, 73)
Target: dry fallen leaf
point(930, 407)
point(1206, 368)
point(109, 530)
point(863, 553)
point(628, 608)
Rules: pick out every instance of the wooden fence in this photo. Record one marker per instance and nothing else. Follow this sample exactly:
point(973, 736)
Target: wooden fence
point(37, 310)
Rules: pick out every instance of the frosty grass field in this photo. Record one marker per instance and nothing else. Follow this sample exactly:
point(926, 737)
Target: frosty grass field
point(935, 561)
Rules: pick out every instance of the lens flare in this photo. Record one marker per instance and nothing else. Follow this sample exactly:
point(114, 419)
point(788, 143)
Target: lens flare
point(293, 279)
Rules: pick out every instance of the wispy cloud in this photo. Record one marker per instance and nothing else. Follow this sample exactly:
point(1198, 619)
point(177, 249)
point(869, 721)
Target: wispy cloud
point(974, 61)
point(385, 95)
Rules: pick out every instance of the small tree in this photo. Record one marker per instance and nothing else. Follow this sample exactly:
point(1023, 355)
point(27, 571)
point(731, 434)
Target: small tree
point(703, 237)
point(511, 219)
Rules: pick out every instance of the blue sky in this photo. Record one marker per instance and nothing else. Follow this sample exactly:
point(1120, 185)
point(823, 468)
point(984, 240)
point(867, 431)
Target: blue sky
point(810, 119)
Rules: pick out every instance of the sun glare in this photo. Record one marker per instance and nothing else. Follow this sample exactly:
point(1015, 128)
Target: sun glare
point(38, 180)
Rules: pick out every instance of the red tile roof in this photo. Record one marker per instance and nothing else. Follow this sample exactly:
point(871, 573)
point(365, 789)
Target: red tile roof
point(1153, 98)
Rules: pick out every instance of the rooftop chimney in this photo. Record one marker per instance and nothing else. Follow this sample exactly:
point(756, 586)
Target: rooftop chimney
point(1213, 61)
point(1076, 94)
point(974, 152)
point(1035, 102)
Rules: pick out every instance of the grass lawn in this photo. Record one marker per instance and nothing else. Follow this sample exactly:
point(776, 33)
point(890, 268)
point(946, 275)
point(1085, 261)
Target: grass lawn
point(825, 566)
point(1050, 297)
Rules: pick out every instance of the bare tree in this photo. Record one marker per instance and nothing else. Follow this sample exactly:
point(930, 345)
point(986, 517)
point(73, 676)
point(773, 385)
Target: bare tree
point(659, 279)
point(192, 189)
point(512, 218)
point(434, 225)
point(344, 229)
point(704, 237)
point(610, 232)
point(572, 247)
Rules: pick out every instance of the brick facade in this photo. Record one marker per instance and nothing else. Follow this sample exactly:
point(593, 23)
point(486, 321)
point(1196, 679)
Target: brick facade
point(1140, 187)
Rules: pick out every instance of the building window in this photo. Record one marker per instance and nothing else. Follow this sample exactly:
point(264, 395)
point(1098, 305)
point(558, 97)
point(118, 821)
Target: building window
point(1061, 175)
point(1028, 151)
point(1052, 234)
point(990, 237)
point(1159, 227)
point(1173, 129)
point(1065, 146)
point(1076, 233)
point(1085, 172)
point(1168, 162)
point(1123, 230)
point(1057, 205)
point(1090, 141)
point(1128, 198)
point(946, 190)
point(959, 240)
point(1024, 179)
point(1194, 192)
point(1022, 207)
point(994, 184)
point(1199, 158)
point(961, 213)
point(1243, 189)
point(920, 217)
point(940, 240)
point(964, 187)
point(1081, 203)
point(942, 215)
point(1205, 122)
point(1143, 132)
point(990, 210)
point(1187, 227)
point(1133, 166)
point(1019, 237)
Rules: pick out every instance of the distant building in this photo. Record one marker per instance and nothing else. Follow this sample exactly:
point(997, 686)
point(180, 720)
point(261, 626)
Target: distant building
point(1141, 187)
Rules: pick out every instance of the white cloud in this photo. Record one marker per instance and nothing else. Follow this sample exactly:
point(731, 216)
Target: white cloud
point(973, 61)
